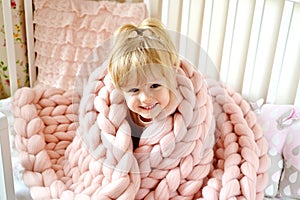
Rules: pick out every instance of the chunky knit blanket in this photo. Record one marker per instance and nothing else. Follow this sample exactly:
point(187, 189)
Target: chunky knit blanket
point(74, 147)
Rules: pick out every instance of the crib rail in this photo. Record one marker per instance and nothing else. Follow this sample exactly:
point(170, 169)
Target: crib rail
point(253, 46)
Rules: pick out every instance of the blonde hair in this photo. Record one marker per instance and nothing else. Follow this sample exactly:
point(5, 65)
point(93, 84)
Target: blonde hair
point(136, 47)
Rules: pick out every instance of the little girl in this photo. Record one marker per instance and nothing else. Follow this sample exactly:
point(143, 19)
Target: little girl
point(169, 113)
point(143, 67)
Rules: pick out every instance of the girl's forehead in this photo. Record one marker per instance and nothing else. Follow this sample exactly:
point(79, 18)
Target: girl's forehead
point(147, 73)
point(138, 80)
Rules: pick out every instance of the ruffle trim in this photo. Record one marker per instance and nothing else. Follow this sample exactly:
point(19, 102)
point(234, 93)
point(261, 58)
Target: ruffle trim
point(50, 65)
point(88, 7)
point(104, 20)
point(68, 52)
point(78, 38)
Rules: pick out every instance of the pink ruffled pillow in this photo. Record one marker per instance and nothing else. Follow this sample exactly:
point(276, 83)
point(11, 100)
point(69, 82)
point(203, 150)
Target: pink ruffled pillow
point(71, 35)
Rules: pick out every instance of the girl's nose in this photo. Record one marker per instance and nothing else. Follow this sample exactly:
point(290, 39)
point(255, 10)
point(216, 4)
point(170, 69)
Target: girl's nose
point(145, 96)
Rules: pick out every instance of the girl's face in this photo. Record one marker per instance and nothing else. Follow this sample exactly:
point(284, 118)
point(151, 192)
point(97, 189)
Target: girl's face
point(148, 97)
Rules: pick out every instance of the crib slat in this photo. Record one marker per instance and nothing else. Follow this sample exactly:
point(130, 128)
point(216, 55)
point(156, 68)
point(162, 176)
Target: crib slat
point(239, 38)
point(206, 26)
point(289, 77)
point(194, 27)
point(280, 51)
point(216, 39)
point(183, 51)
point(228, 40)
point(30, 42)
point(173, 24)
point(155, 8)
point(270, 24)
point(185, 17)
point(174, 15)
point(231, 16)
point(165, 12)
point(10, 46)
point(195, 20)
point(252, 50)
point(205, 35)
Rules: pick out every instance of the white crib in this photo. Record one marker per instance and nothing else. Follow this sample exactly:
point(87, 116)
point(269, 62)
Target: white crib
point(253, 46)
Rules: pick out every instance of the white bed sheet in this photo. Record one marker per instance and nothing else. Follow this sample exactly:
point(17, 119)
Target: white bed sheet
point(22, 192)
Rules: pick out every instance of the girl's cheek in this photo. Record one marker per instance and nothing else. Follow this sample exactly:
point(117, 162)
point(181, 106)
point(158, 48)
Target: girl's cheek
point(129, 99)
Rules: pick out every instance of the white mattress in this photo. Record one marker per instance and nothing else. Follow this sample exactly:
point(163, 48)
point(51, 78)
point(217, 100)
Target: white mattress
point(22, 192)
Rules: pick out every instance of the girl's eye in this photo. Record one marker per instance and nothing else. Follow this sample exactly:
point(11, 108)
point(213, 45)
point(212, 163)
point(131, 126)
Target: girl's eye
point(155, 85)
point(133, 90)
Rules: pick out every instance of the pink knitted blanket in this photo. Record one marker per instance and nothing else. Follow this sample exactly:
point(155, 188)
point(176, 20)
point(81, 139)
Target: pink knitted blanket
point(73, 150)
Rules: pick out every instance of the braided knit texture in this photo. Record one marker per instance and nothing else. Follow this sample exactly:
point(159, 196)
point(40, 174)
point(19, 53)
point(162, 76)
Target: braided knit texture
point(74, 147)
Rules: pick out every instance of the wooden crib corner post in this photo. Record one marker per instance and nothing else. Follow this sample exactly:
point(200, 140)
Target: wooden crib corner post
point(7, 190)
